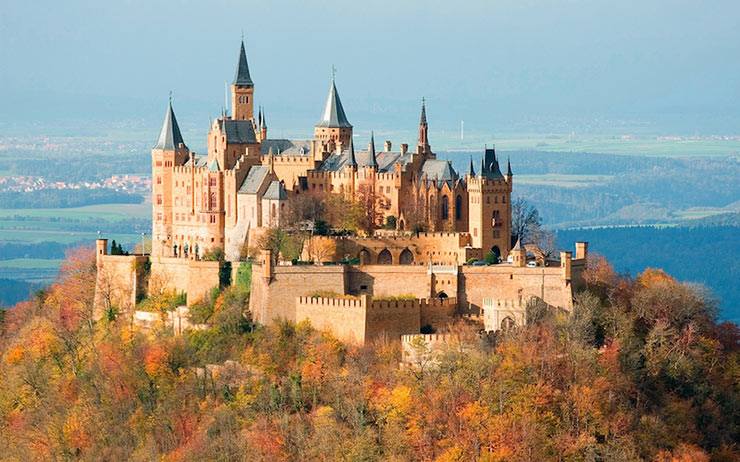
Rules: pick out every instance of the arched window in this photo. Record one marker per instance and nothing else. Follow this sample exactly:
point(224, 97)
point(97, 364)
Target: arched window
point(445, 208)
point(458, 208)
point(507, 323)
point(213, 201)
point(406, 257)
point(385, 257)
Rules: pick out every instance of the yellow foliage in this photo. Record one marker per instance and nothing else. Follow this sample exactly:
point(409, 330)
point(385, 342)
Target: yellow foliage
point(14, 355)
point(652, 276)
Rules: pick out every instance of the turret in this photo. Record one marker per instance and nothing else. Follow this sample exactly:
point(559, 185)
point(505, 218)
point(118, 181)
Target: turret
point(333, 124)
point(423, 144)
point(242, 89)
point(372, 161)
point(508, 175)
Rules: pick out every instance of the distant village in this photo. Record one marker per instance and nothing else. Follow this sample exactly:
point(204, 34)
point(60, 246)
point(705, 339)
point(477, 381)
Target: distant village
point(132, 184)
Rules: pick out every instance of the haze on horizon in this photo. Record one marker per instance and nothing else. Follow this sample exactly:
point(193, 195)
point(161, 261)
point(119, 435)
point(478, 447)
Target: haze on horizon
point(489, 63)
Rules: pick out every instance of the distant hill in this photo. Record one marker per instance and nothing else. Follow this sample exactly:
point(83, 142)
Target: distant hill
point(706, 251)
point(13, 291)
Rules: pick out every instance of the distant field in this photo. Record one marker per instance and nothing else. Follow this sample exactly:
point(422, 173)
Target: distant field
point(638, 145)
point(65, 237)
point(35, 263)
point(565, 181)
point(111, 212)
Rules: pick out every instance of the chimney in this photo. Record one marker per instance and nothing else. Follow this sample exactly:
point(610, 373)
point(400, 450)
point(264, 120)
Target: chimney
point(387, 146)
point(404, 148)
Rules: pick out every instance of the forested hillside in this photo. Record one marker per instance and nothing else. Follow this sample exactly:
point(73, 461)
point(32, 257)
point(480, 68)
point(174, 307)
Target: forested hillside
point(707, 254)
point(639, 371)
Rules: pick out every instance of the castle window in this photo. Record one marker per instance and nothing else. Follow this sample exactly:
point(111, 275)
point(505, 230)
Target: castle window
point(159, 180)
point(213, 200)
point(475, 231)
point(458, 208)
point(213, 181)
point(496, 233)
point(212, 220)
point(445, 208)
point(159, 199)
point(159, 217)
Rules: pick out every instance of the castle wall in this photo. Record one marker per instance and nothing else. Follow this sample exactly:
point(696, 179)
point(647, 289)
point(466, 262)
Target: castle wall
point(391, 318)
point(195, 278)
point(389, 280)
point(120, 278)
point(344, 318)
point(437, 312)
point(276, 298)
point(510, 283)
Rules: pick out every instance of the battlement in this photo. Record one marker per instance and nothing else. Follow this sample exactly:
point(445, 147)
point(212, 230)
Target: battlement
point(287, 159)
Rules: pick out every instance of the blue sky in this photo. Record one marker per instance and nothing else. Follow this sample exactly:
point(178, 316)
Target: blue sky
point(487, 62)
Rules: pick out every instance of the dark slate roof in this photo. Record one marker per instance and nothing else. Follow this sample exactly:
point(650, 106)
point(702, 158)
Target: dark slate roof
point(508, 167)
point(275, 191)
point(440, 170)
point(423, 113)
point(471, 169)
point(170, 136)
point(372, 161)
point(200, 161)
point(242, 76)
point(254, 178)
point(287, 147)
point(351, 160)
point(238, 131)
point(386, 160)
point(333, 115)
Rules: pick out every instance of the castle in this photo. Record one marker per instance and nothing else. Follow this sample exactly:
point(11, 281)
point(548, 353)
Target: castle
point(222, 202)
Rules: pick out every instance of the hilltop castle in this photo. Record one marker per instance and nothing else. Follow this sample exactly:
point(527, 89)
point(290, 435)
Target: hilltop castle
point(247, 180)
point(246, 184)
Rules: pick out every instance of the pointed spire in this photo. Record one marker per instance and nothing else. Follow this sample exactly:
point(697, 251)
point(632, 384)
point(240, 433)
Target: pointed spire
point(373, 161)
point(264, 119)
point(170, 136)
point(423, 112)
point(351, 162)
point(483, 168)
point(508, 167)
point(242, 77)
point(333, 115)
point(471, 170)
point(518, 245)
point(259, 117)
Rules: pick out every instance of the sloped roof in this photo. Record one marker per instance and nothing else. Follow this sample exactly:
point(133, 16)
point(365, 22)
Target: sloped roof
point(275, 191)
point(372, 161)
point(254, 178)
point(242, 77)
point(214, 166)
point(287, 147)
point(386, 160)
point(438, 170)
point(238, 131)
point(170, 136)
point(333, 115)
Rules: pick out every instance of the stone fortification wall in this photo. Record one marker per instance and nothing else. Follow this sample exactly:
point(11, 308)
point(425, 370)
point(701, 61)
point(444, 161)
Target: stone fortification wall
point(389, 280)
point(120, 279)
point(363, 319)
point(345, 318)
point(196, 278)
point(178, 320)
point(447, 248)
point(509, 283)
point(417, 349)
point(495, 311)
point(274, 289)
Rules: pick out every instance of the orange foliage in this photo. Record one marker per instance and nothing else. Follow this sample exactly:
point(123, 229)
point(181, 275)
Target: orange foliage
point(155, 363)
point(651, 277)
point(684, 453)
point(599, 272)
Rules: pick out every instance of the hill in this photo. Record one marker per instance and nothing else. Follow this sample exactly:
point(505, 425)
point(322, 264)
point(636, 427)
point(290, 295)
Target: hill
point(639, 371)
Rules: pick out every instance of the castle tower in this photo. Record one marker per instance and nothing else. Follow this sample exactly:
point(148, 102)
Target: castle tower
point(169, 152)
point(242, 89)
point(333, 124)
point(372, 160)
point(489, 206)
point(262, 125)
point(423, 145)
point(519, 255)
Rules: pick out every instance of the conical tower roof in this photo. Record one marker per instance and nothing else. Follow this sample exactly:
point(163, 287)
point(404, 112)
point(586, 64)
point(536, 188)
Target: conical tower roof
point(372, 159)
point(423, 113)
point(333, 115)
point(242, 77)
point(518, 245)
point(471, 170)
point(351, 161)
point(508, 166)
point(170, 136)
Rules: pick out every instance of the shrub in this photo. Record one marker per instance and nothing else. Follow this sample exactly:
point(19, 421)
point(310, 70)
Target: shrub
point(244, 275)
point(471, 261)
point(214, 254)
point(491, 258)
